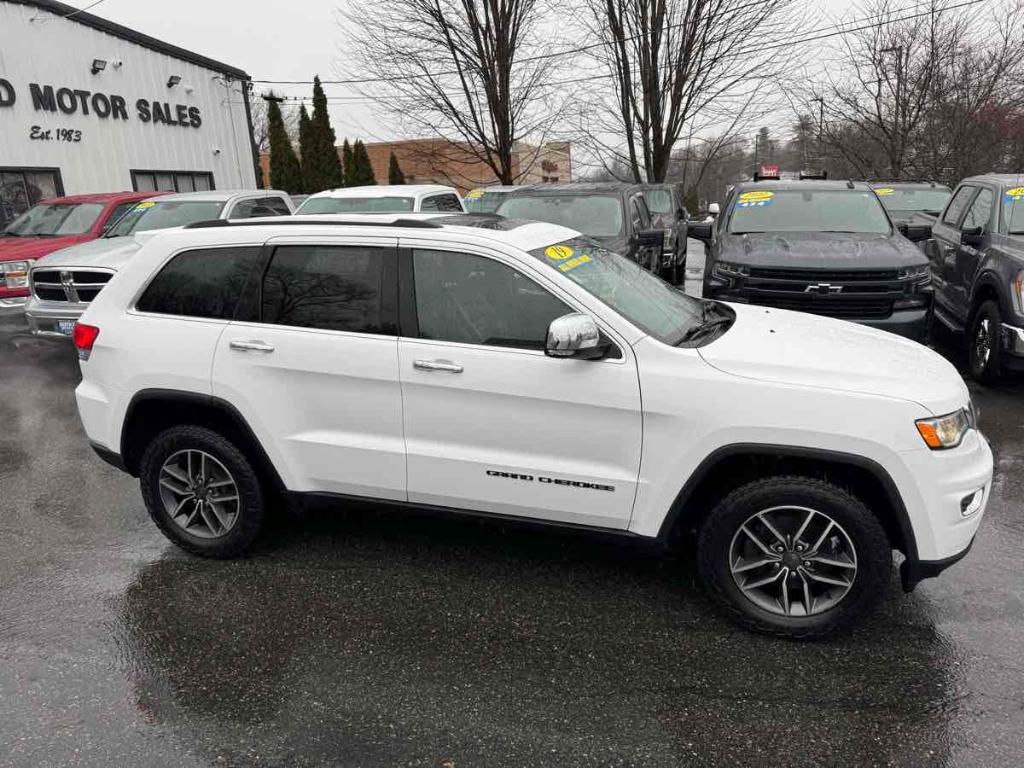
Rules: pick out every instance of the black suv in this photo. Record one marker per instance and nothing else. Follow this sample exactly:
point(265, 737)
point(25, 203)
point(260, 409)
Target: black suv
point(665, 202)
point(616, 215)
point(977, 258)
point(903, 199)
point(825, 247)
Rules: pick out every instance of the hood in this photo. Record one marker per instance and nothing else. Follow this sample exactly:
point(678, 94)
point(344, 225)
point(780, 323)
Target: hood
point(108, 252)
point(808, 350)
point(820, 250)
point(18, 248)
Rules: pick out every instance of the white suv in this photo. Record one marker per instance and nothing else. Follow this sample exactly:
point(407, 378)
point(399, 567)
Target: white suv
point(521, 371)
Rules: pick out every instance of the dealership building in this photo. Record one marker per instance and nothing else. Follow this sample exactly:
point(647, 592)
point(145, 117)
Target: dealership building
point(87, 105)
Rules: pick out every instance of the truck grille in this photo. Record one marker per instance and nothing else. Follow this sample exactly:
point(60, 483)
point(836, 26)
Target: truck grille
point(76, 286)
point(844, 309)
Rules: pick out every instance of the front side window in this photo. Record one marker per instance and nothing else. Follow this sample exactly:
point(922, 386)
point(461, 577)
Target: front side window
point(335, 288)
point(357, 205)
point(165, 214)
point(202, 283)
point(658, 200)
point(957, 205)
point(594, 215)
point(980, 212)
point(55, 220)
point(807, 210)
point(476, 300)
point(648, 302)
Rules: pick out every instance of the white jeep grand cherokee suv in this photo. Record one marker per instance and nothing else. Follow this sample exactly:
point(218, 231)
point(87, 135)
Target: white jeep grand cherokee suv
point(519, 370)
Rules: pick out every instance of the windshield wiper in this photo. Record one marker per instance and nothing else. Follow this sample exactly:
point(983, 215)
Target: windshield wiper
point(749, 232)
point(705, 327)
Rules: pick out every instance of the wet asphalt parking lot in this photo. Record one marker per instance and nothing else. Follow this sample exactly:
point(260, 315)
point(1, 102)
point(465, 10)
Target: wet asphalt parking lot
point(355, 636)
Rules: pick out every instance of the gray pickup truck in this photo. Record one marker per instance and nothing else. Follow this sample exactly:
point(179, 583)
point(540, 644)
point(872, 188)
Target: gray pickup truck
point(977, 263)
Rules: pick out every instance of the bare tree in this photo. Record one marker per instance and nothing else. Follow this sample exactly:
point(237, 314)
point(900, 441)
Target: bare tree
point(467, 71)
point(677, 67)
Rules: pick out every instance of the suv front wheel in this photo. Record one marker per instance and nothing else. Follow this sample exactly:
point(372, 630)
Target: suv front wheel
point(984, 351)
point(794, 556)
point(202, 491)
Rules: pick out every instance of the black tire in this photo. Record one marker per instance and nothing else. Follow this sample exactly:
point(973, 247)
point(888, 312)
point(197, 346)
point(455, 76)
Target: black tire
point(873, 555)
point(987, 321)
point(251, 505)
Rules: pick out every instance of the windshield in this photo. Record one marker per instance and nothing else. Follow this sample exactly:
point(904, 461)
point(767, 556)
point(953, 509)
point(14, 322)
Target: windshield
point(1013, 211)
point(648, 302)
point(55, 220)
point(594, 215)
point(807, 210)
point(932, 200)
point(482, 201)
point(165, 214)
point(658, 200)
point(356, 205)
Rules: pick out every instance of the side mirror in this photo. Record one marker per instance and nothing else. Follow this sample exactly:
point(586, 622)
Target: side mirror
point(702, 231)
point(575, 335)
point(650, 238)
point(714, 209)
point(972, 236)
point(916, 233)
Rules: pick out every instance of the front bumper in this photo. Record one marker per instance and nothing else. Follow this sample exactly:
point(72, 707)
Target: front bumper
point(909, 323)
point(913, 572)
point(44, 318)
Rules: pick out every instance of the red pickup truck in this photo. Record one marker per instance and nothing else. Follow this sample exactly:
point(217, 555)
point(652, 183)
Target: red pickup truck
point(53, 224)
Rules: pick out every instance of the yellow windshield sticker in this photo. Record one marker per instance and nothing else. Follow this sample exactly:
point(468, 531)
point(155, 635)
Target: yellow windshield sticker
point(474, 194)
point(885, 191)
point(144, 206)
point(559, 252)
point(574, 263)
point(1014, 195)
point(755, 198)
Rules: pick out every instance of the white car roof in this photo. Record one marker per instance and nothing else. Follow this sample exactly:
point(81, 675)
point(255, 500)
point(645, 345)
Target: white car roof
point(386, 190)
point(218, 195)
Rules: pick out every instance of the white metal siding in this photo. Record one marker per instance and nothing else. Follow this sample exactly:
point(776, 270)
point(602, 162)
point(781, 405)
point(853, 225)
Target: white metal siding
point(59, 52)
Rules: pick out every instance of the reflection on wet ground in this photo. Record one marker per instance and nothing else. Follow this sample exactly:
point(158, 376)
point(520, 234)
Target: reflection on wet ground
point(362, 637)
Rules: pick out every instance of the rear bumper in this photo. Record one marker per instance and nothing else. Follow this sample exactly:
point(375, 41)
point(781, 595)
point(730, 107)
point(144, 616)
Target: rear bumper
point(110, 457)
point(44, 317)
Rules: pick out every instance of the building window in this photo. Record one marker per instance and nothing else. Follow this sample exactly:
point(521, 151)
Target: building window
point(172, 181)
point(21, 188)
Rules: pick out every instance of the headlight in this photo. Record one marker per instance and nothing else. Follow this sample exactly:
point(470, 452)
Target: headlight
point(1015, 291)
point(729, 269)
point(945, 431)
point(920, 272)
point(15, 273)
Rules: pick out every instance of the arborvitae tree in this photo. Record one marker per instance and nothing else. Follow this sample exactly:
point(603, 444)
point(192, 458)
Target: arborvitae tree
point(322, 168)
point(349, 165)
point(285, 173)
point(363, 174)
point(305, 150)
point(395, 175)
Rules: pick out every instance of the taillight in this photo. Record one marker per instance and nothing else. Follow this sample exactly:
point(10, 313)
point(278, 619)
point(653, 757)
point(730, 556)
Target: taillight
point(84, 337)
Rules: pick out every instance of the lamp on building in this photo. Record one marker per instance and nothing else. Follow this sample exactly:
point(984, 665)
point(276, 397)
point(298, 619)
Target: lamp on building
point(98, 65)
point(173, 80)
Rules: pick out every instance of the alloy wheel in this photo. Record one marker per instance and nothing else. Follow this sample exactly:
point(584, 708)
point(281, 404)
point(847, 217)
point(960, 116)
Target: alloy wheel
point(983, 343)
point(793, 561)
point(199, 494)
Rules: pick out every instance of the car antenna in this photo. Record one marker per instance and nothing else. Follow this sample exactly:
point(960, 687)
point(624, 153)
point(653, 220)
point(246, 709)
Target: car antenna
point(849, 184)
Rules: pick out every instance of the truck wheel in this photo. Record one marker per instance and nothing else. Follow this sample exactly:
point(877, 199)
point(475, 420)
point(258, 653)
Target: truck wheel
point(794, 556)
point(202, 492)
point(983, 350)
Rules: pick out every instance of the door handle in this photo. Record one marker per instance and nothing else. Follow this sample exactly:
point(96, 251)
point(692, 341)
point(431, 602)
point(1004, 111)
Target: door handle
point(251, 346)
point(436, 365)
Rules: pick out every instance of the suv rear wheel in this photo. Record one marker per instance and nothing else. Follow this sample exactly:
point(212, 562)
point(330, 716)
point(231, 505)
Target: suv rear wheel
point(983, 350)
point(794, 556)
point(202, 491)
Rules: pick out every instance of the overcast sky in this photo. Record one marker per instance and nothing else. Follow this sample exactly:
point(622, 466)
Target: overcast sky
point(281, 41)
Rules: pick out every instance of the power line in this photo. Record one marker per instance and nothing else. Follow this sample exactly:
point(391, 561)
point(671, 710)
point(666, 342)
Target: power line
point(69, 15)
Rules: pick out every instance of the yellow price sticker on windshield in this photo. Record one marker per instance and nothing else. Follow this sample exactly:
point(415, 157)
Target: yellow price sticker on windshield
point(756, 196)
point(559, 252)
point(1015, 194)
point(145, 205)
point(474, 194)
point(885, 191)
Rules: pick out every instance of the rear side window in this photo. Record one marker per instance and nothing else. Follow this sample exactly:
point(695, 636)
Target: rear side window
point(201, 283)
point(447, 203)
point(957, 205)
point(276, 205)
point(257, 207)
point(336, 288)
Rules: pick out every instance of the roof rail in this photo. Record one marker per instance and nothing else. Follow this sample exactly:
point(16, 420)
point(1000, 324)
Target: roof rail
point(288, 221)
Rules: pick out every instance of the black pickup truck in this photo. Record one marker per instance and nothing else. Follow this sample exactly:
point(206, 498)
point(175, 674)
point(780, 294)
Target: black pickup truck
point(977, 262)
point(824, 247)
point(904, 199)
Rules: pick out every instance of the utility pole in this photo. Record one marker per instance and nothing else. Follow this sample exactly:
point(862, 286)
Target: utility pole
point(821, 122)
point(898, 50)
